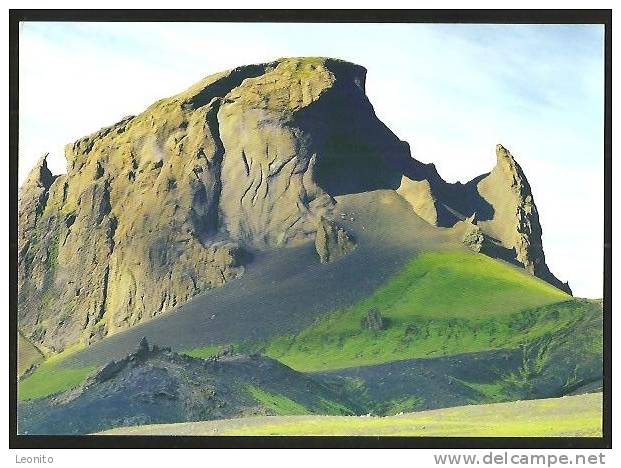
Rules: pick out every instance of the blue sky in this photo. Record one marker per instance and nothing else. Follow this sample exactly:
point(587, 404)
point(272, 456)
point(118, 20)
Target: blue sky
point(452, 91)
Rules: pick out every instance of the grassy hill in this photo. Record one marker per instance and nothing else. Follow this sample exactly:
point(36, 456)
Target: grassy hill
point(459, 328)
point(558, 417)
point(440, 303)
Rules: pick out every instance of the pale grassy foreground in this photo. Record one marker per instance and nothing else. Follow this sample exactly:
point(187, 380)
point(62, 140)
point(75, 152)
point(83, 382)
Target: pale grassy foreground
point(573, 416)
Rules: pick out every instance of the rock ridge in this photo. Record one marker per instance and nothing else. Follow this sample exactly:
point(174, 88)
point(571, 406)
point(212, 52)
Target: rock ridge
point(500, 204)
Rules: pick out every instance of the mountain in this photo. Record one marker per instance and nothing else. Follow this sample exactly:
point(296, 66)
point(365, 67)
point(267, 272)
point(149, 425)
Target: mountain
point(284, 253)
point(183, 198)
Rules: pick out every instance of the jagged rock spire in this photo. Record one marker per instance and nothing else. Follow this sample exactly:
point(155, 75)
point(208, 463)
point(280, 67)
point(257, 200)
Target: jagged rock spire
point(40, 175)
point(500, 203)
point(143, 346)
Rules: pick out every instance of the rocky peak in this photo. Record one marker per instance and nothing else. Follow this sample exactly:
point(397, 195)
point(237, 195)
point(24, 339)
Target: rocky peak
point(515, 221)
point(40, 176)
point(512, 171)
point(496, 211)
point(33, 194)
point(164, 203)
point(504, 157)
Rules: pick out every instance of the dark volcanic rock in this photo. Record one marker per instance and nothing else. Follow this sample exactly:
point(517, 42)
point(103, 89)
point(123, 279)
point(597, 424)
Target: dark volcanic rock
point(373, 320)
point(154, 385)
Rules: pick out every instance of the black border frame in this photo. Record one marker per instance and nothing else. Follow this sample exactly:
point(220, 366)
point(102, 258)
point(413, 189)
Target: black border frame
point(603, 17)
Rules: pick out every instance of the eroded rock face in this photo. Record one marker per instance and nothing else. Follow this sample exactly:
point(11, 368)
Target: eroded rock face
point(132, 229)
point(515, 221)
point(270, 197)
point(161, 206)
point(419, 195)
point(294, 137)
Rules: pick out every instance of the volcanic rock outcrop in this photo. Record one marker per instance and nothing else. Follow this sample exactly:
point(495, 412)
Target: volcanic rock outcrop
point(332, 242)
point(154, 385)
point(165, 205)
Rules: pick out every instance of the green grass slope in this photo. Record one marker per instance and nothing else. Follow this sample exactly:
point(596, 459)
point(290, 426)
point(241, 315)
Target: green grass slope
point(49, 377)
point(282, 405)
point(559, 352)
point(575, 416)
point(441, 303)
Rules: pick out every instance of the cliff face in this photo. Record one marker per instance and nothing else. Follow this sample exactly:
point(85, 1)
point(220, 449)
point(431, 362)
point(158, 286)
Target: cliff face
point(164, 205)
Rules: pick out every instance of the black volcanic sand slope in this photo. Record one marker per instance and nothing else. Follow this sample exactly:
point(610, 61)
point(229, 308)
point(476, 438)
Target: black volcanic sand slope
point(279, 293)
point(154, 385)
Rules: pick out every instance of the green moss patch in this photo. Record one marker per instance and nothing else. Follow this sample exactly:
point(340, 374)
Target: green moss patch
point(50, 377)
point(279, 404)
point(205, 352)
